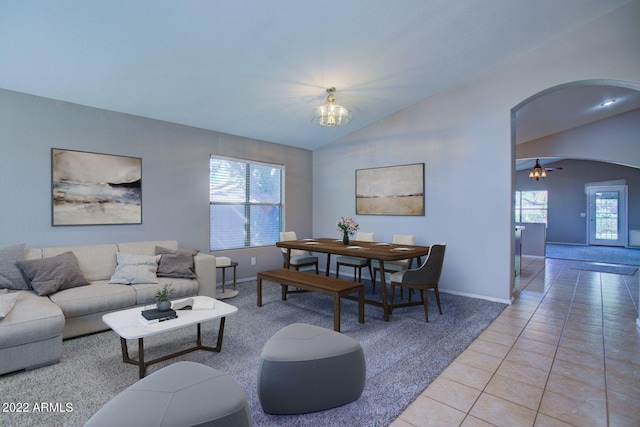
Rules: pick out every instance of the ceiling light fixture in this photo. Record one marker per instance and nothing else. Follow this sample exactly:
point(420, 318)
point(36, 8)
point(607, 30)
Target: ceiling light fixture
point(537, 172)
point(331, 114)
point(608, 103)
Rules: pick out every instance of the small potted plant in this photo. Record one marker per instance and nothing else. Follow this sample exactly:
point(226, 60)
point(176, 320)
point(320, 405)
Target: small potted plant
point(162, 296)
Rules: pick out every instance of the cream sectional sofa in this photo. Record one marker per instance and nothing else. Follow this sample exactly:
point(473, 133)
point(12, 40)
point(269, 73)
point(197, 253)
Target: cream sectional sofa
point(31, 334)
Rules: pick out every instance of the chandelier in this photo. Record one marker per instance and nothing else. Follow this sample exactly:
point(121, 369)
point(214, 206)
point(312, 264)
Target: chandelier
point(537, 172)
point(331, 114)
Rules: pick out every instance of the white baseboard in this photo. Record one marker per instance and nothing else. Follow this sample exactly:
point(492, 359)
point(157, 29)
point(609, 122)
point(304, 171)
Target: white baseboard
point(567, 244)
point(466, 294)
point(246, 279)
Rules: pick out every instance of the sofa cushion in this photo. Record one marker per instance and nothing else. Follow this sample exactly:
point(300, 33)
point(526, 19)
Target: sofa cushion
point(33, 253)
point(32, 318)
point(146, 248)
point(97, 262)
point(10, 275)
point(97, 297)
point(49, 275)
point(176, 263)
point(134, 268)
point(7, 301)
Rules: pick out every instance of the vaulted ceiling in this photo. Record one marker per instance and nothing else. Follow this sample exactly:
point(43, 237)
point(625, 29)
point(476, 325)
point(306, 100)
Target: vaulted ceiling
point(257, 68)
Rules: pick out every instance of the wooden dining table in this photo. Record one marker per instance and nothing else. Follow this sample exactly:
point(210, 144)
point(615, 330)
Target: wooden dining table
point(380, 251)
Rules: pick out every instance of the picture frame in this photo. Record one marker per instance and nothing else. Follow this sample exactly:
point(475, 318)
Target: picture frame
point(95, 189)
point(391, 190)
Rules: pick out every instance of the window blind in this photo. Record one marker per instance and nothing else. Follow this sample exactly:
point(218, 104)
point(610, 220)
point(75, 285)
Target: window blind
point(246, 203)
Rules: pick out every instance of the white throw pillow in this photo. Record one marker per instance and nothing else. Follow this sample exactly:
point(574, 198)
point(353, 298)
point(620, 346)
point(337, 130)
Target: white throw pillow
point(134, 268)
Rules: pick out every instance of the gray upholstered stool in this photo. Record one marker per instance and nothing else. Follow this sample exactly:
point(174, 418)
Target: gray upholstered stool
point(305, 368)
point(181, 394)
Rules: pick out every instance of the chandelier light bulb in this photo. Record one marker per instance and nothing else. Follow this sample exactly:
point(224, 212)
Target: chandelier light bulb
point(331, 114)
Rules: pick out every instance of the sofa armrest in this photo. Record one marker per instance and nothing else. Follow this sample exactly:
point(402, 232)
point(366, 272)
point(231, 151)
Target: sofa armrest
point(205, 266)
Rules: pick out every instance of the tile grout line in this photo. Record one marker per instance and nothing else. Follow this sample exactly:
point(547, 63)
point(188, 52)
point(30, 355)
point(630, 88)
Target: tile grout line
point(604, 351)
point(555, 354)
point(512, 346)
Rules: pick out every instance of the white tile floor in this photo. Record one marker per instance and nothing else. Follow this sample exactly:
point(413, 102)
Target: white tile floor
point(566, 353)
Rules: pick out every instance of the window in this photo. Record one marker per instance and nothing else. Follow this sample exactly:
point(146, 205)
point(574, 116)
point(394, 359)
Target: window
point(246, 203)
point(607, 218)
point(531, 206)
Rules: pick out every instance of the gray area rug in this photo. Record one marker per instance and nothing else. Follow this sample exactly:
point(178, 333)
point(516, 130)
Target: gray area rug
point(402, 356)
point(605, 268)
point(605, 254)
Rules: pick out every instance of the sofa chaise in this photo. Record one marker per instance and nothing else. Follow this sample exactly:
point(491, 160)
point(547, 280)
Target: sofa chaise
point(31, 334)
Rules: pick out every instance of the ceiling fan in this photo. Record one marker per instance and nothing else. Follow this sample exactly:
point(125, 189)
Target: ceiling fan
point(538, 171)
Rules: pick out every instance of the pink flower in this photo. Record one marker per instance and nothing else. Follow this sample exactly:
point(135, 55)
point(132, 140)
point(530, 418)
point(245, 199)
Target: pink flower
point(347, 225)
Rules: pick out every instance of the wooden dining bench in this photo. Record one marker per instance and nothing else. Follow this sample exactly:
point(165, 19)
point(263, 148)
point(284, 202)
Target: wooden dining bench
point(337, 288)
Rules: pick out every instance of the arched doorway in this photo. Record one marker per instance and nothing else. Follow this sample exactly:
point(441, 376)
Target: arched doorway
point(559, 109)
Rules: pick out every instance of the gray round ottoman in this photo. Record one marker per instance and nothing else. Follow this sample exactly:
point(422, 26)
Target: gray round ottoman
point(305, 368)
point(181, 394)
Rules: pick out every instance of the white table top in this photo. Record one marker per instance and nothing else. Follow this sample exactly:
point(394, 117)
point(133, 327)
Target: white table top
point(129, 323)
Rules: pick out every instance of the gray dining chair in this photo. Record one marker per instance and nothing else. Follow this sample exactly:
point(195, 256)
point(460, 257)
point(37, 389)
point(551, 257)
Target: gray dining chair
point(298, 258)
point(394, 266)
point(357, 263)
point(424, 278)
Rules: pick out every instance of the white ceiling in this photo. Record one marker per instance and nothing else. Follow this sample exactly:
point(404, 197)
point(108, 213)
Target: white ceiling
point(570, 107)
point(257, 68)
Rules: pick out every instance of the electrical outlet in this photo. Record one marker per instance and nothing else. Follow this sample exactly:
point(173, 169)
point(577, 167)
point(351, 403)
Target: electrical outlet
point(253, 260)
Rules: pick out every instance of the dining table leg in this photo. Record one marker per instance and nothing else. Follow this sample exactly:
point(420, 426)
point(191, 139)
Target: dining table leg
point(328, 264)
point(287, 264)
point(383, 285)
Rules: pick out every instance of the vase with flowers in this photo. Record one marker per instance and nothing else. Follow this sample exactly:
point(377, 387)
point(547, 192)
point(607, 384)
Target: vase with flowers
point(347, 226)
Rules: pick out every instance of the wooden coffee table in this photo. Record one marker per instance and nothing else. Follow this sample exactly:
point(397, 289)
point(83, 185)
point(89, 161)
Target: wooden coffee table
point(128, 324)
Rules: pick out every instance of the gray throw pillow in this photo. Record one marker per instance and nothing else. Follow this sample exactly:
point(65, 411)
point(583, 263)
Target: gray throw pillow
point(10, 275)
point(53, 274)
point(7, 301)
point(177, 264)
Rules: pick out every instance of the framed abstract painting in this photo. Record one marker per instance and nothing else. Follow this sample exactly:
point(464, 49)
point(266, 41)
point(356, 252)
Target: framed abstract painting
point(392, 190)
point(92, 188)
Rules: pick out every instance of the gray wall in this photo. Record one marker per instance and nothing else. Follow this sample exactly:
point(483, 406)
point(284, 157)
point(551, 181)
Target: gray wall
point(567, 198)
point(175, 176)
